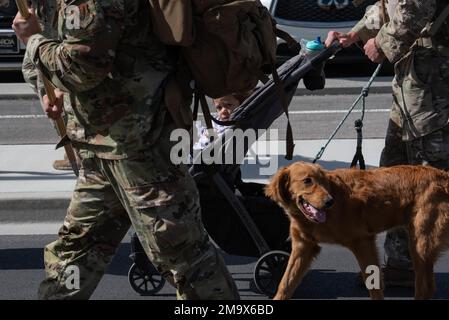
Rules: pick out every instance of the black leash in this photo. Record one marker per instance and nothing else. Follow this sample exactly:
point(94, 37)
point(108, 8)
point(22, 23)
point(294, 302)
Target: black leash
point(358, 157)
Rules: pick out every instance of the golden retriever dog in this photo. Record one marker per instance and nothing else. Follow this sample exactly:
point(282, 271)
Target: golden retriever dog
point(350, 206)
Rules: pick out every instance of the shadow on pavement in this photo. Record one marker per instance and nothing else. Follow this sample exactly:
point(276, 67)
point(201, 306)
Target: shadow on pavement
point(328, 284)
point(317, 284)
point(32, 258)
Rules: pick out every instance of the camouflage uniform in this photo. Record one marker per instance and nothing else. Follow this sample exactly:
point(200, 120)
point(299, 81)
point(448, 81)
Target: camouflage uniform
point(46, 13)
point(418, 131)
point(113, 71)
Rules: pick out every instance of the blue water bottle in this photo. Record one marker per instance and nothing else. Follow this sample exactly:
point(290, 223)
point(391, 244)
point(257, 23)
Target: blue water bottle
point(311, 48)
point(315, 78)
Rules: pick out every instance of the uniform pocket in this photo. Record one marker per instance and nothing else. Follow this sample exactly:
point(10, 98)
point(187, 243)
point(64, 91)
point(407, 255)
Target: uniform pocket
point(436, 146)
point(153, 195)
point(415, 98)
point(433, 146)
point(168, 215)
point(172, 236)
point(421, 70)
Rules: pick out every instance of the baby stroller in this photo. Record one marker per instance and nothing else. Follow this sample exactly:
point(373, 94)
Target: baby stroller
point(229, 206)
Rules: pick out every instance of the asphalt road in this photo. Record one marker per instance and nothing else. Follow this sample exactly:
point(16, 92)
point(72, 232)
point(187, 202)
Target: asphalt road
point(333, 274)
point(312, 117)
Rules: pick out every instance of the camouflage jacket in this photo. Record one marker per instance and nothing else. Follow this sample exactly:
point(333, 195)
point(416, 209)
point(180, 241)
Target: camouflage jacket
point(112, 67)
point(421, 83)
point(407, 18)
point(46, 12)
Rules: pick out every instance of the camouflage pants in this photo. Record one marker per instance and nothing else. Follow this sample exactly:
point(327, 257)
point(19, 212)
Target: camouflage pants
point(433, 150)
point(161, 202)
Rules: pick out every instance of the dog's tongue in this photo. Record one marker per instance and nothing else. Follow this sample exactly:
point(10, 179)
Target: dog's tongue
point(319, 215)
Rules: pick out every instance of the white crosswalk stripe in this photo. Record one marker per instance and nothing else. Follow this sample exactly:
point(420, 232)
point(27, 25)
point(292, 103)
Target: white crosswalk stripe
point(16, 229)
point(22, 116)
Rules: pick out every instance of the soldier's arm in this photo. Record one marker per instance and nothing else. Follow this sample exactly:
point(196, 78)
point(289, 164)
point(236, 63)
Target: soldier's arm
point(29, 70)
point(84, 57)
point(31, 76)
point(369, 25)
point(396, 37)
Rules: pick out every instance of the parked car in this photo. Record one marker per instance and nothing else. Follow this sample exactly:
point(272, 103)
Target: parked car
point(309, 19)
point(11, 49)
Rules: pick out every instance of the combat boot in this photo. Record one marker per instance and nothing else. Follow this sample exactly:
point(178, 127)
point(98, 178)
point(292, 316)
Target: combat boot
point(393, 277)
point(398, 277)
point(65, 164)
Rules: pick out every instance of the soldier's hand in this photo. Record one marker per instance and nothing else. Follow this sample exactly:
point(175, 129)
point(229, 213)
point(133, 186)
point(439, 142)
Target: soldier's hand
point(345, 39)
point(54, 110)
point(373, 52)
point(25, 28)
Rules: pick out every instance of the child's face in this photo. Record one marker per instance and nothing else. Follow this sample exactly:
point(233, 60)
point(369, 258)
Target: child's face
point(225, 106)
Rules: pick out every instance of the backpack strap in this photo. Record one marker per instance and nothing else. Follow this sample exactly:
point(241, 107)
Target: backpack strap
point(383, 8)
point(200, 99)
point(281, 93)
point(262, 77)
point(291, 43)
point(206, 111)
point(196, 104)
point(436, 25)
point(294, 46)
point(427, 35)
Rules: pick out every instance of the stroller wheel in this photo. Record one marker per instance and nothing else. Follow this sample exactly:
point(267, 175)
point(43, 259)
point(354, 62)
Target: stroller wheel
point(269, 271)
point(145, 282)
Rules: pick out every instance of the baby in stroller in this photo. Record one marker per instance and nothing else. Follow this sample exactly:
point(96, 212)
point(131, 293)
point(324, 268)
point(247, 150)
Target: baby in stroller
point(224, 106)
point(219, 217)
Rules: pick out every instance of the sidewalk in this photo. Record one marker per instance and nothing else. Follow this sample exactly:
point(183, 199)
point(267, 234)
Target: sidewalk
point(32, 191)
point(11, 91)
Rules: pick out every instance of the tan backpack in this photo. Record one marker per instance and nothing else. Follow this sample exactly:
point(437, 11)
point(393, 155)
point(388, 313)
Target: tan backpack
point(226, 43)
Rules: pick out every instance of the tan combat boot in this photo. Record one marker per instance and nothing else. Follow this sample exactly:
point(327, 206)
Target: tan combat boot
point(65, 164)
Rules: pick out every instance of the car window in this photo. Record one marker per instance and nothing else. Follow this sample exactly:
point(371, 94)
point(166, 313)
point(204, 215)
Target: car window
point(7, 8)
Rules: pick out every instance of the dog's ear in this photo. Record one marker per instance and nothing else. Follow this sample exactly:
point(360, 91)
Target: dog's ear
point(320, 168)
point(277, 189)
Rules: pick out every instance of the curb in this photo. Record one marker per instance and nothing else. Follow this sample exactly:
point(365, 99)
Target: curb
point(22, 96)
point(13, 91)
point(31, 210)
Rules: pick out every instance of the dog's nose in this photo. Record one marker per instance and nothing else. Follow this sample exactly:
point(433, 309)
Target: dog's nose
point(329, 202)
